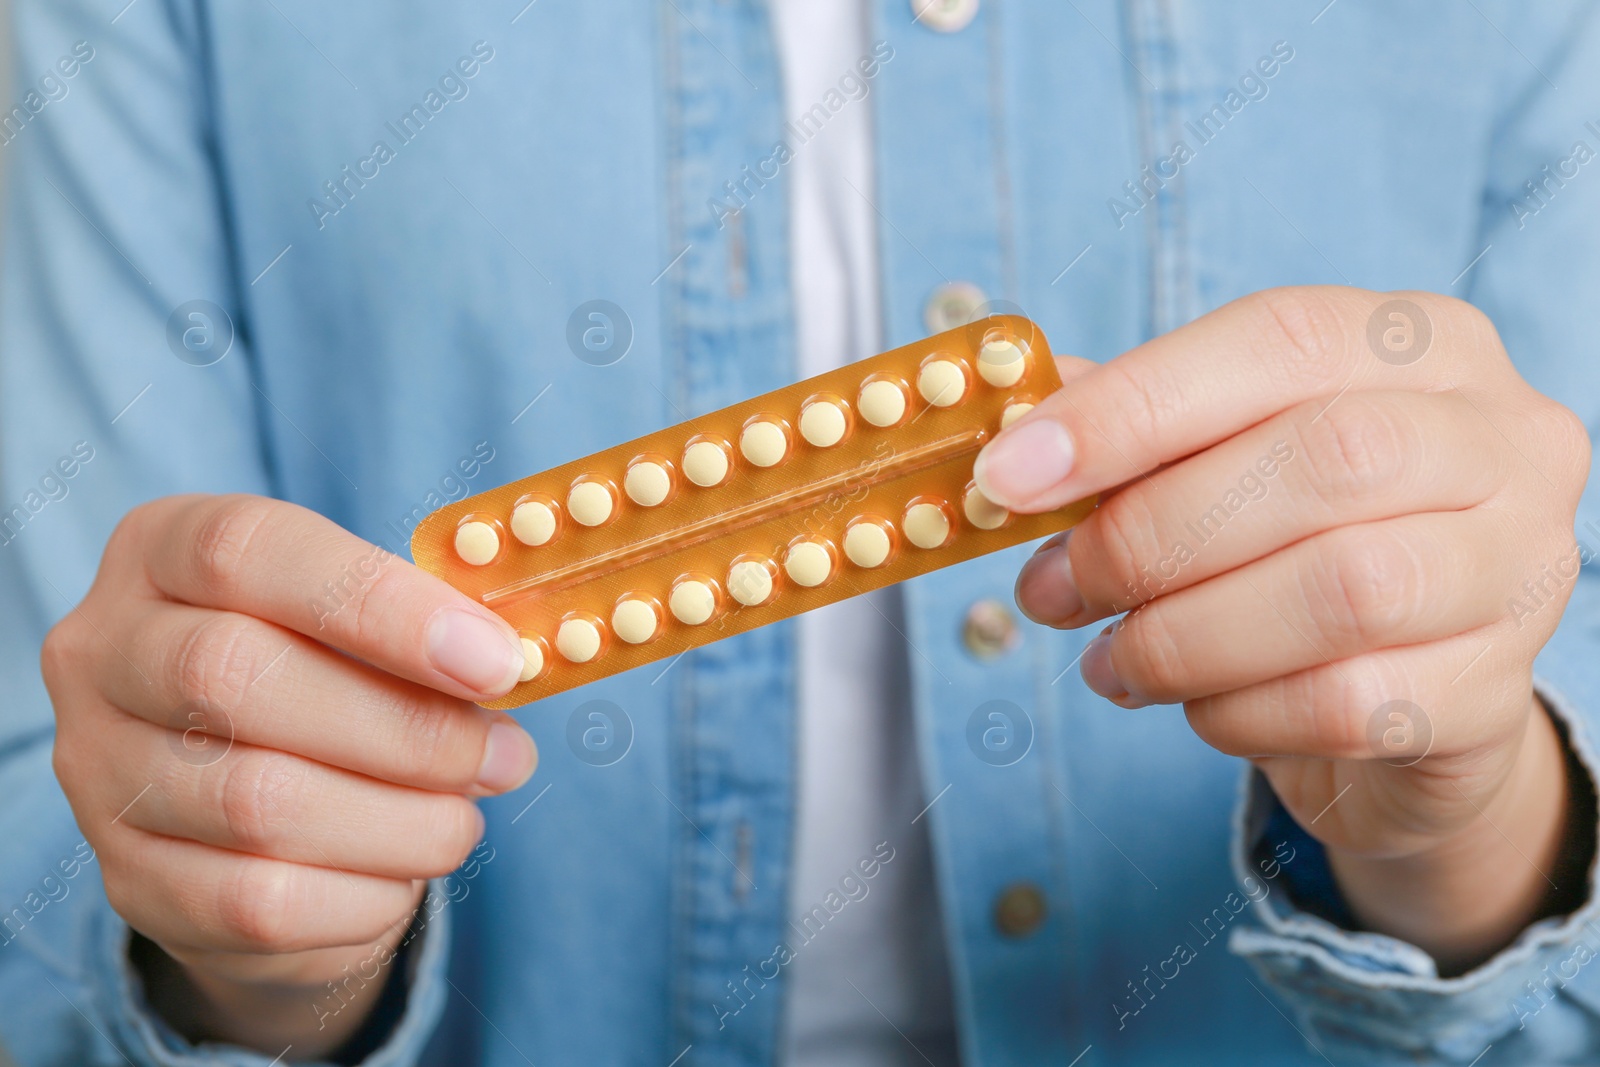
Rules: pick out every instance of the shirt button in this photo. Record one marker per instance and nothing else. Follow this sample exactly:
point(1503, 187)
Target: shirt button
point(953, 304)
point(990, 630)
point(946, 16)
point(1019, 910)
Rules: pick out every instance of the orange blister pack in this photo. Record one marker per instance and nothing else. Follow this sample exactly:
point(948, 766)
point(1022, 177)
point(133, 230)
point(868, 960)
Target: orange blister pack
point(834, 486)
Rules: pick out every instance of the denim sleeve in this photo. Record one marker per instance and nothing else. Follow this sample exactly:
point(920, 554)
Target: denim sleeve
point(114, 227)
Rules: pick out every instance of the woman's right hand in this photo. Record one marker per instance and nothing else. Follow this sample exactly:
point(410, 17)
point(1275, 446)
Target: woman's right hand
point(264, 727)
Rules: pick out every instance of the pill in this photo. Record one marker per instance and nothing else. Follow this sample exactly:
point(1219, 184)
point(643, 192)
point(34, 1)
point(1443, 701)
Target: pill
point(882, 403)
point(1013, 412)
point(942, 383)
point(982, 512)
point(705, 464)
point(590, 503)
point(763, 443)
point(1000, 363)
point(808, 563)
point(926, 525)
point(532, 660)
point(634, 621)
point(533, 523)
point(822, 424)
point(578, 640)
point(647, 483)
point(866, 544)
point(750, 583)
point(477, 543)
point(692, 602)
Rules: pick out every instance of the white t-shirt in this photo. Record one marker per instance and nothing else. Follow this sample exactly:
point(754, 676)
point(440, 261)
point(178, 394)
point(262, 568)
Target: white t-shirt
point(872, 981)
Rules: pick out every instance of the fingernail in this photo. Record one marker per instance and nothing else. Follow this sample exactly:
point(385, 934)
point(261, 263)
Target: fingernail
point(473, 651)
point(1023, 462)
point(1098, 673)
point(508, 758)
point(1045, 590)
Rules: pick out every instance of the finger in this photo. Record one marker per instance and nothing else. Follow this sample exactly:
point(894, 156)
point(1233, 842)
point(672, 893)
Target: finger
point(1404, 704)
point(288, 565)
point(1205, 382)
point(1370, 456)
point(200, 897)
point(1358, 588)
point(231, 676)
point(280, 806)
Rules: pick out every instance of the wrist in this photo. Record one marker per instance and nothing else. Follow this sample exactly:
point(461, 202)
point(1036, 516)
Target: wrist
point(1468, 895)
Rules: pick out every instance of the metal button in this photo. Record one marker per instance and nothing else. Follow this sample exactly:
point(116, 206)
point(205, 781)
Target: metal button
point(1019, 910)
point(953, 304)
point(946, 16)
point(989, 630)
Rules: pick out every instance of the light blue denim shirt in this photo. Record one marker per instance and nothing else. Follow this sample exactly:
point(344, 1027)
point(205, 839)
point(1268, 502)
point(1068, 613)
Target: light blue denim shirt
point(400, 206)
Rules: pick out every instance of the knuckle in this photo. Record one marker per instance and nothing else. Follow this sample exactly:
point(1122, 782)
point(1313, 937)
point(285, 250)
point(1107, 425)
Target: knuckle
point(1150, 656)
point(1148, 402)
point(60, 655)
point(223, 541)
point(446, 741)
point(1365, 585)
point(213, 663)
point(1568, 439)
point(254, 904)
point(1357, 449)
point(1122, 535)
point(1340, 703)
point(254, 793)
point(1301, 326)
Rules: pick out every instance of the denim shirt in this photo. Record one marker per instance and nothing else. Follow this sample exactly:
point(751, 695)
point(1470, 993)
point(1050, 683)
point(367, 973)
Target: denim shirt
point(395, 215)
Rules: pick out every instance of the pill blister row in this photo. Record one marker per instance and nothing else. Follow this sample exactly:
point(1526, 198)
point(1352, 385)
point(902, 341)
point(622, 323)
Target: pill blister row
point(819, 491)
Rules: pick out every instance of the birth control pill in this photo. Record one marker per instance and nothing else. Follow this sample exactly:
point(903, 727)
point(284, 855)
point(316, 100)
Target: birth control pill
point(942, 383)
point(750, 583)
point(590, 503)
point(533, 523)
point(1013, 412)
point(763, 443)
point(982, 512)
point(822, 423)
point(926, 525)
point(866, 544)
point(1001, 362)
point(532, 660)
point(808, 564)
point(705, 464)
point(647, 483)
point(882, 402)
point(634, 621)
point(578, 640)
point(477, 543)
point(692, 602)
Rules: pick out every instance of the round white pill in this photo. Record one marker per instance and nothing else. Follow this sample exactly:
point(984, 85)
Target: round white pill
point(647, 483)
point(692, 602)
point(866, 544)
point(882, 403)
point(808, 563)
point(926, 525)
point(634, 621)
point(982, 512)
point(763, 443)
point(590, 503)
point(705, 464)
point(750, 583)
point(1000, 363)
point(532, 660)
point(1013, 412)
point(942, 383)
point(578, 640)
point(477, 543)
point(533, 523)
point(822, 424)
